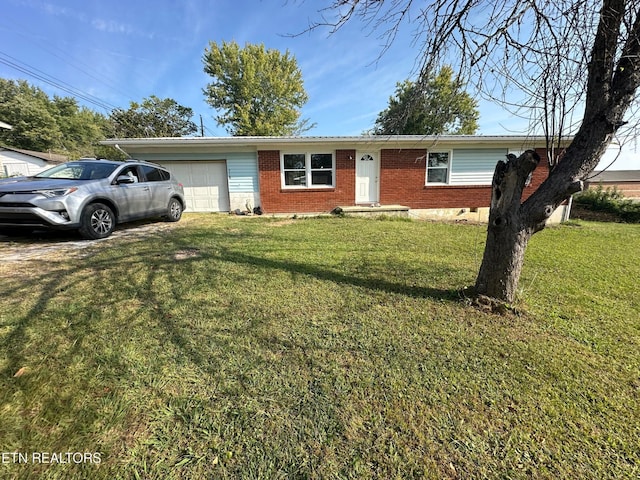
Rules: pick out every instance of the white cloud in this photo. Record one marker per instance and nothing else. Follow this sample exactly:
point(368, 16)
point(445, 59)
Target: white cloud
point(111, 26)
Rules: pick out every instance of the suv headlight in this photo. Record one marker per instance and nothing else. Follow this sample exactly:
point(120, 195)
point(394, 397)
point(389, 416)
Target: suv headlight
point(57, 193)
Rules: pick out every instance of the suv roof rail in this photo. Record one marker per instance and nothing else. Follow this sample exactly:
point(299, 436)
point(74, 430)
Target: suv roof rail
point(146, 162)
point(92, 159)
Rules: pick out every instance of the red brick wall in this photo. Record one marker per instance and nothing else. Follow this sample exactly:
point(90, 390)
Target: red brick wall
point(628, 189)
point(402, 182)
point(275, 199)
point(402, 177)
point(540, 174)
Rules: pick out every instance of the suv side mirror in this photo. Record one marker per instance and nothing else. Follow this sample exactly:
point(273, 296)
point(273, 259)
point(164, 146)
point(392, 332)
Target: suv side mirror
point(124, 179)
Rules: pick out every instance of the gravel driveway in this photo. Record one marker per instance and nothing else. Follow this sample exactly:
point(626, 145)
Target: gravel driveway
point(44, 244)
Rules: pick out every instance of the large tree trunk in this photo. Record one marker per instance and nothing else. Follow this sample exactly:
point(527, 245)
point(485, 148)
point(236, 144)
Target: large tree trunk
point(508, 232)
point(513, 222)
point(612, 84)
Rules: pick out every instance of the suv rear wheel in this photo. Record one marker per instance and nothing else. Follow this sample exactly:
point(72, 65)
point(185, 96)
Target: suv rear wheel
point(174, 210)
point(97, 221)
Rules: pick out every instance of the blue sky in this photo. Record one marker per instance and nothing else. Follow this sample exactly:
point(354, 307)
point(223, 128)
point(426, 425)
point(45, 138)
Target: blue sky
point(120, 51)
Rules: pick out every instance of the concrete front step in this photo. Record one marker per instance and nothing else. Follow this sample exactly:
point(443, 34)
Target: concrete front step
point(372, 210)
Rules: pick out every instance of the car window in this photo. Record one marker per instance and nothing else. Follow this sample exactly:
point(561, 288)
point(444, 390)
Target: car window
point(78, 171)
point(155, 174)
point(97, 171)
point(131, 172)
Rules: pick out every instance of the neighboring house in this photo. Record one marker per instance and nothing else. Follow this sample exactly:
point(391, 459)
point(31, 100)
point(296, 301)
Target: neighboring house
point(626, 181)
point(426, 176)
point(18, 162)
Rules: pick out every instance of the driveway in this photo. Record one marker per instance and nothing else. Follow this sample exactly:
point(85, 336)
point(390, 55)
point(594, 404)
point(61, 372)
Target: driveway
point(46, 244)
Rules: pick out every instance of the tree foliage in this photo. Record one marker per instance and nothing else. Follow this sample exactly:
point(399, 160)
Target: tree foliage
point(153, 117)
point(442, 107)
point(570, 66)
point(257, 91)
point(46, 124)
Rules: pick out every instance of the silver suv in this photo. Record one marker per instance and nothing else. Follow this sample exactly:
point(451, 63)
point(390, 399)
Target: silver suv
point(91, 196)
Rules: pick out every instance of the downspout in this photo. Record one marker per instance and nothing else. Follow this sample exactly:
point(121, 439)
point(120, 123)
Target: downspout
point(567, 211)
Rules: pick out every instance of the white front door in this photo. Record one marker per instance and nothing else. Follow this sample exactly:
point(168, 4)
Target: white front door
point(367, 172)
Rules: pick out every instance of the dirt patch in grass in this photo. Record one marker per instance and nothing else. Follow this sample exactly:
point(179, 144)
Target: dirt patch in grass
point(283, 222)
point(186, 253)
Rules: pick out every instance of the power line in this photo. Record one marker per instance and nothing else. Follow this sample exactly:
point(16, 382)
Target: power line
point(57, 83)
point(38, 74)
point(16, 64)
point(210, 132)
point(52, 50)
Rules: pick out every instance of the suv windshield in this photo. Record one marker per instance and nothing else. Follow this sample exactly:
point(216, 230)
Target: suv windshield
point(79, 171)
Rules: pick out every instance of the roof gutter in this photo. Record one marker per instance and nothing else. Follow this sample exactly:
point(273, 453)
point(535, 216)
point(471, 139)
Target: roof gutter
point(389, 141)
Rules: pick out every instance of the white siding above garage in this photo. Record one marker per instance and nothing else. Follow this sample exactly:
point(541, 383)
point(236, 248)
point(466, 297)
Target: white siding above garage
point(475, 166)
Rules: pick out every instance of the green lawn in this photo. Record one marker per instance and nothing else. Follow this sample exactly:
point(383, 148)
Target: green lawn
point(322, 348)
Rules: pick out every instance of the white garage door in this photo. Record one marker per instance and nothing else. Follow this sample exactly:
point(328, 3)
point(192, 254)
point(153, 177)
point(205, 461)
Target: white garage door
point(206, 188)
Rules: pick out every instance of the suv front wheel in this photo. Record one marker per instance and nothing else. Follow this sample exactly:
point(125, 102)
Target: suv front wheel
point(97, 221)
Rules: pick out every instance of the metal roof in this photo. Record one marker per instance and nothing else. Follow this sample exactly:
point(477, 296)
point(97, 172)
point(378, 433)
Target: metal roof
point(617, 176)
point(46, 156)
point(398, 141)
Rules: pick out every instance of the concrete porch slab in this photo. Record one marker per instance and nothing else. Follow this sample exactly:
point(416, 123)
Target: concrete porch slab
point(372, 210)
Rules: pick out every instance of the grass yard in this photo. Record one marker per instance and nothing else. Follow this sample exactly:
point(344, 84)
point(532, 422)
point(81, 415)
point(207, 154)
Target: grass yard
point(321, 348)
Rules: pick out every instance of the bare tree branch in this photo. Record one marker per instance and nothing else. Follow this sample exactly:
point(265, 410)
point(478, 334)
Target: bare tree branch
point(571, 66)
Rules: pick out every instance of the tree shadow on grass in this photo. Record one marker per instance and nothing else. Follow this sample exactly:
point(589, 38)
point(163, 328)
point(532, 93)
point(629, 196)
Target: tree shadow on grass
point(378, 284)
point(46, 284)
point(153, 261)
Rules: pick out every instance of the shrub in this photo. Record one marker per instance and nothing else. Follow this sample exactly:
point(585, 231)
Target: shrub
point(600, 198)
point(609, 200)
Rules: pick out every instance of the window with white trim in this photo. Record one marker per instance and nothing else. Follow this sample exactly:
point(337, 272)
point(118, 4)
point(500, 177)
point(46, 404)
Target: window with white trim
point(438, 164)
point(307, 170)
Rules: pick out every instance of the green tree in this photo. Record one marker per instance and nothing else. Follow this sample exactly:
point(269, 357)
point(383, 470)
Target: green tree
point(42, 124)
point(256, 91)
point(153, 117)
point(27, 109)
point(441, 106)
point(80, 128)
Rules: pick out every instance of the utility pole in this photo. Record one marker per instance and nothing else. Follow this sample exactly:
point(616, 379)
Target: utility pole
point(201, 127)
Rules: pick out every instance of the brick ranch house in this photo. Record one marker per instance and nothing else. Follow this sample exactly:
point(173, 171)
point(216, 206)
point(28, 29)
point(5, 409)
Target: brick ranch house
point(422, 176)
